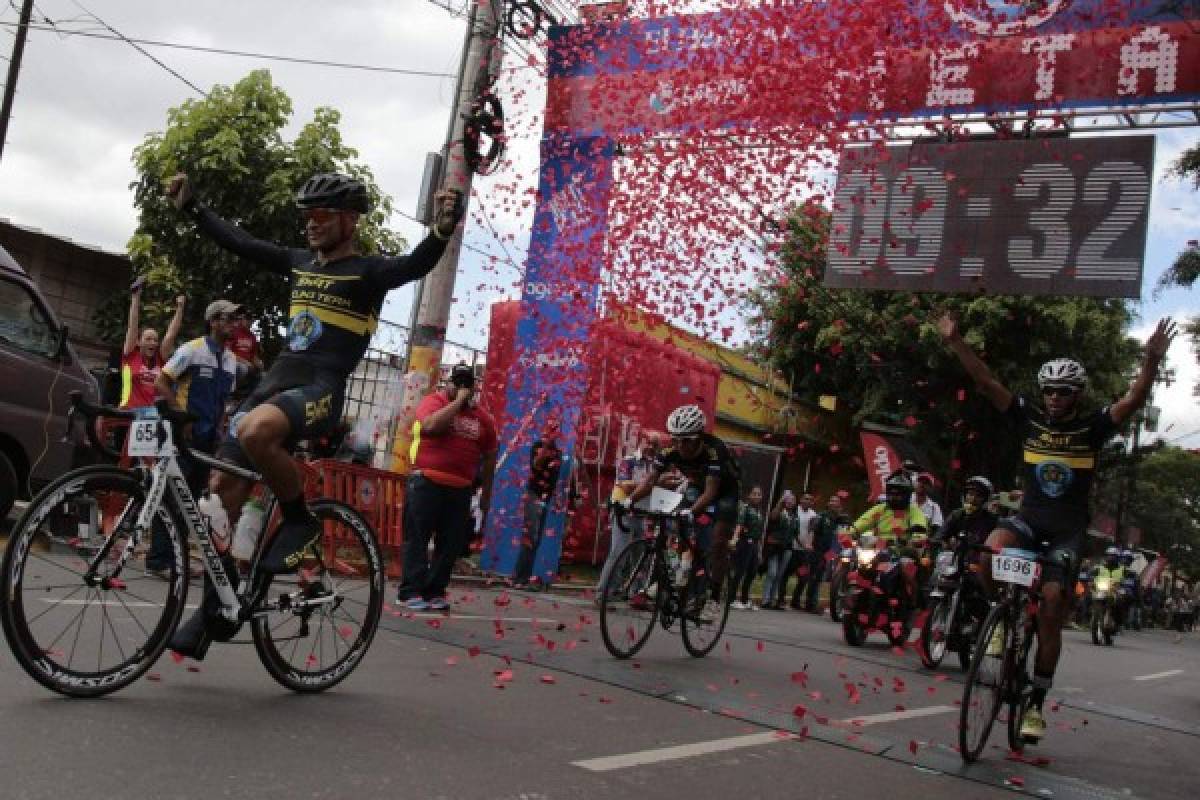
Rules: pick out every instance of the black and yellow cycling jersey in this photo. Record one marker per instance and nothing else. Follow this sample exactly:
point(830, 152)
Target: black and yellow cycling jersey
point(1059, 465)
point(335, 305)
point(713, 459)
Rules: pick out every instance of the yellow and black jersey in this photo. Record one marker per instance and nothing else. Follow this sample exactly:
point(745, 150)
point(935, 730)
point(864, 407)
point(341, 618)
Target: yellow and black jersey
point(1059, 464)
point(334, 306)
point(714, 459)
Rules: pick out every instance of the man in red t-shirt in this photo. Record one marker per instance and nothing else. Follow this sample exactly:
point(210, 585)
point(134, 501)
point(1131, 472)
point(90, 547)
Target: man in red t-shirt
point(451, 440)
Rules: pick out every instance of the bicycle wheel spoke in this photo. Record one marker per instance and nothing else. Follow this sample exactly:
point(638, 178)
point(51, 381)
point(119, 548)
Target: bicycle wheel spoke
point(53, 606)
point(79, 628)
point(132, 616)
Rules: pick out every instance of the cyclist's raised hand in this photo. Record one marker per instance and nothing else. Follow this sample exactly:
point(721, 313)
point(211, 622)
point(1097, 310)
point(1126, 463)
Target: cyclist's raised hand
point(179, 190)
point(947, 326)
point(450, 210)
point(1160, 341)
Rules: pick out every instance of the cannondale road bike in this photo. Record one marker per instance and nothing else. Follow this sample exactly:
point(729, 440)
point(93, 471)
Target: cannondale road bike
point(84, 620)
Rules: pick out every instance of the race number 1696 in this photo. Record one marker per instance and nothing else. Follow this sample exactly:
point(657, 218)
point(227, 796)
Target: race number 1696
point(1013, 569)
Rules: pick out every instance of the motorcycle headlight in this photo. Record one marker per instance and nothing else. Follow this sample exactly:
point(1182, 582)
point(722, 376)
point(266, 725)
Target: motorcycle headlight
point(866, 557)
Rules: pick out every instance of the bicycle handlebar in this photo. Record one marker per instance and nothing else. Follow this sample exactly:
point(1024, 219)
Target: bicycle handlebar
point(92, 411)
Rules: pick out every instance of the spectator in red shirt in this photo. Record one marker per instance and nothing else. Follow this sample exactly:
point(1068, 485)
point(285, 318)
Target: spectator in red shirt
point(451, 439)
point(243, 342)
point(141, 357)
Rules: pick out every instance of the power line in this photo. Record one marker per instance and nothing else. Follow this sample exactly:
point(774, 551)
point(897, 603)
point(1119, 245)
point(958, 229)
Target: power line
point(472, 248)
point(141, 50)
point(239, 53)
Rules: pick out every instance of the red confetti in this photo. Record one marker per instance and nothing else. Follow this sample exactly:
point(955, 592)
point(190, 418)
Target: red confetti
point(913, 746)
point(548, 679)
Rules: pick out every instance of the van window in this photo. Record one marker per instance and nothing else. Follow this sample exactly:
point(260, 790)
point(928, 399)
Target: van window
point(23, 323)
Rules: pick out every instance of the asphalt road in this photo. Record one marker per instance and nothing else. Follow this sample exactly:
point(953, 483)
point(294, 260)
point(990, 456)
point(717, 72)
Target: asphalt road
point(514, 696)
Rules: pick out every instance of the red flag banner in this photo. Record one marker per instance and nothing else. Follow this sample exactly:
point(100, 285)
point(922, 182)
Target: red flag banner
point(881, 459)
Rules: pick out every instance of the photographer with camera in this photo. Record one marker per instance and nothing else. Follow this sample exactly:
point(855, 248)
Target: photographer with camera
point(451, 440)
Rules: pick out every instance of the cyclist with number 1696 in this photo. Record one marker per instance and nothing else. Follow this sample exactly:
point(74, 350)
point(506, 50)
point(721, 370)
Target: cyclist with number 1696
point(1059, 448)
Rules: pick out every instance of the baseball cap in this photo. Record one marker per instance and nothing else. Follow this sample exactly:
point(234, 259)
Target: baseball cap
point(219, 307)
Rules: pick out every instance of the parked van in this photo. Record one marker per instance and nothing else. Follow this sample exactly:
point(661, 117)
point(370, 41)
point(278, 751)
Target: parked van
point(38, 370)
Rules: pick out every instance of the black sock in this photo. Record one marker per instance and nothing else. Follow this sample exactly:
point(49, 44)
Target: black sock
point(1041, 685)
point(294, 510)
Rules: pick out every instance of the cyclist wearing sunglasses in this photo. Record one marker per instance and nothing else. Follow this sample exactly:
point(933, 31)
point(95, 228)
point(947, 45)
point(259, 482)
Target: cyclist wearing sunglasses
point(336, 297)
point(1060, 444)
point(713, 478)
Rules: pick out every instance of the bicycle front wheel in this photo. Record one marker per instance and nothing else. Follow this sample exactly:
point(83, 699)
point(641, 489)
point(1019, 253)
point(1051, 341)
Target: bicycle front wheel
point(704, 617)
point(630, 599)
point(312, 628)
point(81, 615)
point(984, 688)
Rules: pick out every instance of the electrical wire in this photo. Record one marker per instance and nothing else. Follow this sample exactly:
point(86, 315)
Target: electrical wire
point(142, 50)
point(239, 53)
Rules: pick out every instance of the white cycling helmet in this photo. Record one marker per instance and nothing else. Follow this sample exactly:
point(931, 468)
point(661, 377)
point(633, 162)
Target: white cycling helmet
point(1065, 372)
point(980, 484)
point(686, 421)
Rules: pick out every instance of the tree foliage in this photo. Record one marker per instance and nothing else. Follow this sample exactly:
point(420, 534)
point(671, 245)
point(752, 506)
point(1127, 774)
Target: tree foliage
point(1165, 504)
point(880, 354)
point(232, 147)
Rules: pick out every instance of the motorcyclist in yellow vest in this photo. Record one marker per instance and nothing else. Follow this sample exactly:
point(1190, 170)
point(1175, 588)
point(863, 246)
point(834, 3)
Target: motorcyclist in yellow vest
point(899, 525)
point(1111, 570)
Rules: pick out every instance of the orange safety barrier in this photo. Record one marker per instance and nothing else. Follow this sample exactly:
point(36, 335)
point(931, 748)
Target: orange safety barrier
point(375, 493)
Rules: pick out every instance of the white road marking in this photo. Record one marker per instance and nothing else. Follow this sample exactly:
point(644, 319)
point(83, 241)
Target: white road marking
point(1158, 675)
point(486, 617)
point(609, 763)
point(643, 757)
point(892, 716)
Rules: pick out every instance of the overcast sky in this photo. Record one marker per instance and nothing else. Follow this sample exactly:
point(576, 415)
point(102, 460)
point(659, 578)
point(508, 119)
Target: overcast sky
point(83, 104)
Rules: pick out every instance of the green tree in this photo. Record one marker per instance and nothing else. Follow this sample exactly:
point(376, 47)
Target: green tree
point(1165, 504)
point(231, 144)
point(880, 354)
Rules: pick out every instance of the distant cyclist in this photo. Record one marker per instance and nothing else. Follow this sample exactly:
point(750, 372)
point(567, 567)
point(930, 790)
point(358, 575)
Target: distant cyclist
point(1059, 445)
point(336, 298)
point(713, 478)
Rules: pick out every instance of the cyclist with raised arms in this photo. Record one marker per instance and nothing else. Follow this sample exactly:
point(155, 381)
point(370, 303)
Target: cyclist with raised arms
point(713, 478)
point(336, 297)
point(1059, 444)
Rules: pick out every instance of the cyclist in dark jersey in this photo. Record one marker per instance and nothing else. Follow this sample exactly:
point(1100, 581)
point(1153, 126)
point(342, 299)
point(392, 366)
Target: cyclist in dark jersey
point(1059, 445)
point(336, 298)
point(713, 478)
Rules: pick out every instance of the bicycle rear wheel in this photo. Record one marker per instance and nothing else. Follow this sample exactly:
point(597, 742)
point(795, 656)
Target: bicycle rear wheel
point(77, 620)
point(630, 599)
point(984, 688)
point(702, 628)
point(312, 628)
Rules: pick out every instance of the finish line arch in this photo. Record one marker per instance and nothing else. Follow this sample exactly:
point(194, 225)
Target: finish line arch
point(746, 70)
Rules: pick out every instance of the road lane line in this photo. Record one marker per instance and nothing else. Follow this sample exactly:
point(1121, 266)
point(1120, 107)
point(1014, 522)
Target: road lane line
point(892, 716)
point(643, 757)
point(1158, 675)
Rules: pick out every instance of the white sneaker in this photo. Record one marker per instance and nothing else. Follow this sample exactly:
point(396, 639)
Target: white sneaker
point(751, 607)
point(738, 605)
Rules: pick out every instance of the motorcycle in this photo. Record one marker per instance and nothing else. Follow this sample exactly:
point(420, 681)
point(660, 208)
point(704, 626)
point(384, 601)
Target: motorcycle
point(1104, 623)
point(875, 595)
point(954, 607)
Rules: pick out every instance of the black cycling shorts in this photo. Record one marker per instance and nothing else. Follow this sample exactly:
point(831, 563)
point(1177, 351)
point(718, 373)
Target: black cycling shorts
point(311, 399)
point(1064, 549)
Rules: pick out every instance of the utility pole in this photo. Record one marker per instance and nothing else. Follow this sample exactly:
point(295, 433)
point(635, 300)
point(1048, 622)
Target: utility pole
point(14, 69)
point(431, 304)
